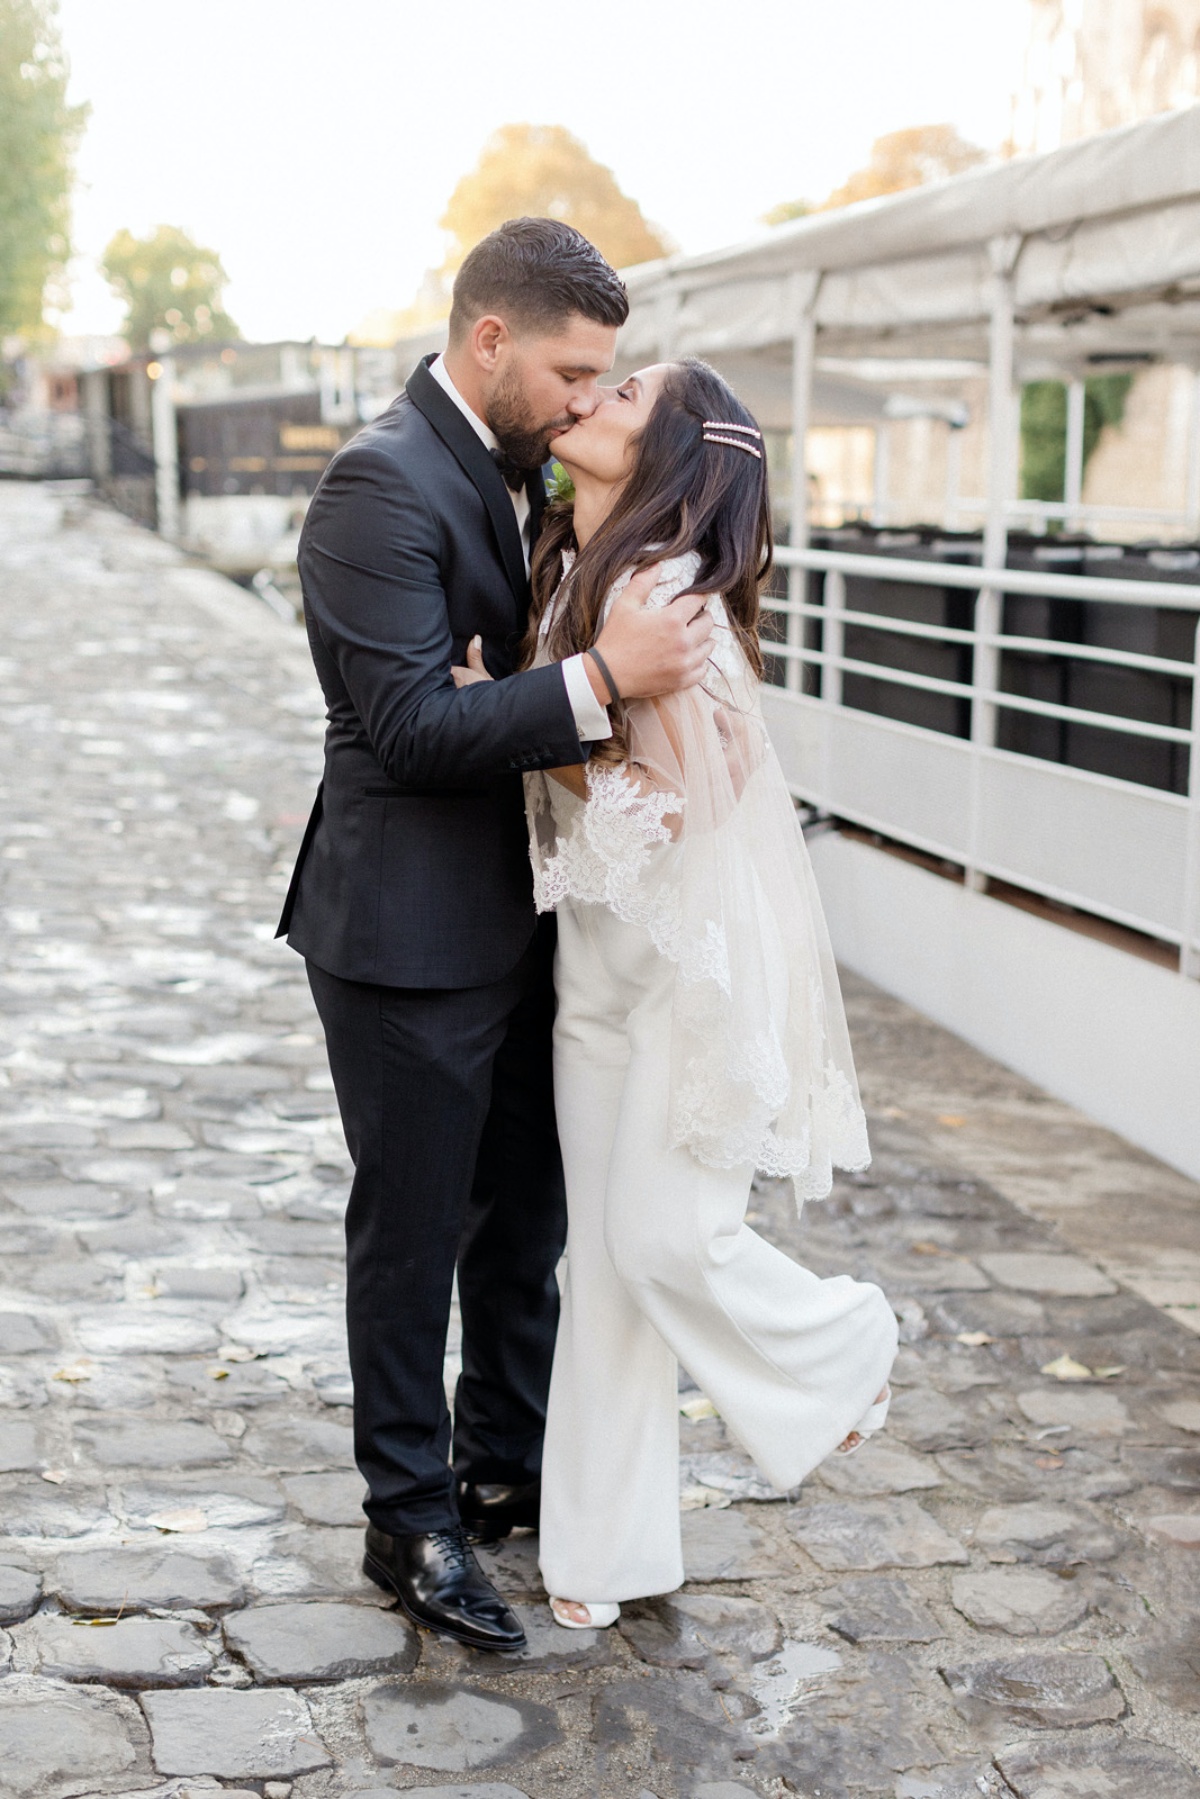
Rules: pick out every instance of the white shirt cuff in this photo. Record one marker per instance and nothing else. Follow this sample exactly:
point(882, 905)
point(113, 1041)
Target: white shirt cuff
point(591, 718)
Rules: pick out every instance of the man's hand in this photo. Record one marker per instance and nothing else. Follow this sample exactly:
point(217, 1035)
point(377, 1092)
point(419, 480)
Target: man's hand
point(476, 669)
point(651, 653)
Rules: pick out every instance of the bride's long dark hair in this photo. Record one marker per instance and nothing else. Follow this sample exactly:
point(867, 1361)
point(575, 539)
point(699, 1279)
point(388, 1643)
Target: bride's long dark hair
point(682, 493)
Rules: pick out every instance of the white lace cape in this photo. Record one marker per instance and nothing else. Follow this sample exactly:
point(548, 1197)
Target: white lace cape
point(694, 839)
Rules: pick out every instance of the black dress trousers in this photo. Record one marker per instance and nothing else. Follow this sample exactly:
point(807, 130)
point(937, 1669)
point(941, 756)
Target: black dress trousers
point(447, 1102)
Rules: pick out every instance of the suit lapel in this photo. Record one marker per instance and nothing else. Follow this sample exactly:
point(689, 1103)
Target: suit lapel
point(535, 487)
point(473, 458)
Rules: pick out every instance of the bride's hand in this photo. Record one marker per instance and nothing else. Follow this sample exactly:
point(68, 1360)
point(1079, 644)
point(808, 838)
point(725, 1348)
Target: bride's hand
point(475, 670)
point(741, 750)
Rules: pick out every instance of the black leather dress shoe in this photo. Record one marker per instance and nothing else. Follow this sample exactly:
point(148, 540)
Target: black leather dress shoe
point(490, 1511)
point(440, 1584)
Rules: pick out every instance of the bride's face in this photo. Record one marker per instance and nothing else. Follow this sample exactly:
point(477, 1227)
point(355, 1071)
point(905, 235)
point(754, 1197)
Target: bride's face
point(601, 445)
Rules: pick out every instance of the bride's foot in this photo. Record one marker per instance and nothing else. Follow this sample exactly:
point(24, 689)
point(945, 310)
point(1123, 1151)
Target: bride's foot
point(574, 1614)
point(868, 1426)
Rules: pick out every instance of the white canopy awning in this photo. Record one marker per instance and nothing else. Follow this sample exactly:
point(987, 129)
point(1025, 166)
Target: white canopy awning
point(1102, 239)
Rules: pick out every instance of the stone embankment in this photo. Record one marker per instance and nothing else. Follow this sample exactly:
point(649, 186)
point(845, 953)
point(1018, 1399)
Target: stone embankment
point(999, 1596)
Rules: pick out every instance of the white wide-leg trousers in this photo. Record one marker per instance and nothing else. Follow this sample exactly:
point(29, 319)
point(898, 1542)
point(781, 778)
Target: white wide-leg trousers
point(662, 1269)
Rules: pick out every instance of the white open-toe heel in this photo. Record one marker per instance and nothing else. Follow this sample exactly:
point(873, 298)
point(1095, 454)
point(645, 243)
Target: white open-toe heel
point(872, 1421)
point(600, 1614)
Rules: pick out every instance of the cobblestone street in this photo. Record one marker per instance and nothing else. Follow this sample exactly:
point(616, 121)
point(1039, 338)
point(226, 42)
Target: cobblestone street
point(999, 1596)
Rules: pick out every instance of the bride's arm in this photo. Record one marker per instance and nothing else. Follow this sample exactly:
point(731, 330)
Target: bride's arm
point(697, 746)
point(654, 726)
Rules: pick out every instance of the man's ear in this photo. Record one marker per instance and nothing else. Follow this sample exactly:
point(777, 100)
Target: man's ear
point(489, 335)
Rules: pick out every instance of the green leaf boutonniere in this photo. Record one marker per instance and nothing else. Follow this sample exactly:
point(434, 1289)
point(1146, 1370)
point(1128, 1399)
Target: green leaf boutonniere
point(559, 486)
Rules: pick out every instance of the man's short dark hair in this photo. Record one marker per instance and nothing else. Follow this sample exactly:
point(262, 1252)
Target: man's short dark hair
point(534, 273)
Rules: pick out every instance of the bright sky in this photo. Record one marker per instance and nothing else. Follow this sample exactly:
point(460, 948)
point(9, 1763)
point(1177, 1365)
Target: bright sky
point(314, 143)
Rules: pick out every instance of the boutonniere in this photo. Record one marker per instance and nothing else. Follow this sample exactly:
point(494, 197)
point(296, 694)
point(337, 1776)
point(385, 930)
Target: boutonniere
point(559, 485)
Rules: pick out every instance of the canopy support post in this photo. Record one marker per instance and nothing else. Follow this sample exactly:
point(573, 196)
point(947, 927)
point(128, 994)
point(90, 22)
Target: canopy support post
point(880, 475)
point(1073, 481)
point(667, 321)
point(1191, 502)
point(166, 450)
point(833, 640)
point(1189, 949)
point(953, 476)
point(805, 285)
point(989, 605)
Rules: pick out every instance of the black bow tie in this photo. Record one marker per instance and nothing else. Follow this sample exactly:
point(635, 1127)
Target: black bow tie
point(514, 477)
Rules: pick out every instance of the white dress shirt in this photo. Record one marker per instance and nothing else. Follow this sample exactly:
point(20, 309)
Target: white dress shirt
point(591, 718)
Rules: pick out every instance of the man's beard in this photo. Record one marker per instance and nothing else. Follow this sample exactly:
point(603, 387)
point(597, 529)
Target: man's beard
point(524, 441)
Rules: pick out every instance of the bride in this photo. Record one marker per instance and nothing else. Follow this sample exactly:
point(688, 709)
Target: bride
point(700, 1032)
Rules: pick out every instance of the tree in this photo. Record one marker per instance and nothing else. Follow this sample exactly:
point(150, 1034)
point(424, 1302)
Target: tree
point(168, 283)
point(786, 210)
point(909, 158)
point(1044, 430)
point(539, 171)
point(899, 160)
point(39, 133)
point(544, 171)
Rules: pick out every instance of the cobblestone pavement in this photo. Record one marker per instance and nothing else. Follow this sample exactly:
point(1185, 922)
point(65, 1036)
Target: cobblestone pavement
point(997, 1597)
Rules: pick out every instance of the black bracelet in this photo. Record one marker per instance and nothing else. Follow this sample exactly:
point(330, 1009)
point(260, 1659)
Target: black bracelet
point(602, 665)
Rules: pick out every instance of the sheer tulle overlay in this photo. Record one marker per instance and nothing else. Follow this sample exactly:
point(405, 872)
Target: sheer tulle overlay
point(695, 839)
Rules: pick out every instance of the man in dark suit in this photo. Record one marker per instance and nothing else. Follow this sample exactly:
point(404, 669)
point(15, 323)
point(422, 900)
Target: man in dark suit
point(412, 899)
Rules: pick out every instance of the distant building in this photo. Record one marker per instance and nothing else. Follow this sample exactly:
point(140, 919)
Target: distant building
point(221, 446)
point(1093, 64)
point(41, 432)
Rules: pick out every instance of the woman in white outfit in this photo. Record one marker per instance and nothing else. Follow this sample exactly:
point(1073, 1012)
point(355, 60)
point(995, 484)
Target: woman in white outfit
point(700, 1032)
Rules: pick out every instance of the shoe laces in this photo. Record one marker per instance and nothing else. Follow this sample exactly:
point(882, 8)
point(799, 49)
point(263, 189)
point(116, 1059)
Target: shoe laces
point(454, 1545)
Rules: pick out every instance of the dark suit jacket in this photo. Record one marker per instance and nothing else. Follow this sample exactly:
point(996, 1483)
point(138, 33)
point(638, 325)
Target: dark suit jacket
point(414, 869)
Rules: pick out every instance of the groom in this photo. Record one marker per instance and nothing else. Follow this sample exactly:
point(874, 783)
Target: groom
point(412, 899)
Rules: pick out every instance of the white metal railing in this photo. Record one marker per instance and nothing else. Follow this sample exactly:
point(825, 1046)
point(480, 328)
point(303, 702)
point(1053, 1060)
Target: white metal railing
point(1084, 512)
point(895, 513)
point(1107, 846)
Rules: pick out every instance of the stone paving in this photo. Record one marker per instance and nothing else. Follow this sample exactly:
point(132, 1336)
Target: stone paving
point(997, 1597)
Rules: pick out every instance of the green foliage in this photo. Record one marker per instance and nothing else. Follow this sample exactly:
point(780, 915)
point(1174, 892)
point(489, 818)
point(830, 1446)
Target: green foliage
point(1044, 429)
point(559, 485)
point(168, 283)
point(38, 137)
point(787, 209)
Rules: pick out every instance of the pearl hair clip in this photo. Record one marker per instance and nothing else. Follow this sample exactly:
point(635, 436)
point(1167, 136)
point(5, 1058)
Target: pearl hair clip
point(712, 428)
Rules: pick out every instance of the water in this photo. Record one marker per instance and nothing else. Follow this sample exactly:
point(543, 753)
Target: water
point(785, 1683)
